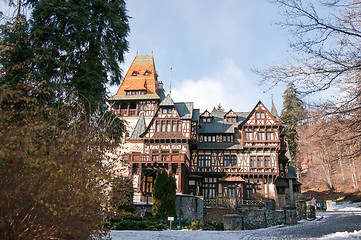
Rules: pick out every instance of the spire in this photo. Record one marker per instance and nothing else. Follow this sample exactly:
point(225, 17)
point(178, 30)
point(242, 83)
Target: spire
point(167, 101)
point(140, 82)
point(170, 82)
point(138, 129)
point(274, 111)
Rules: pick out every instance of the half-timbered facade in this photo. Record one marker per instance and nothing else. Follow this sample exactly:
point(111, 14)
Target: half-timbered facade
point(216, 154)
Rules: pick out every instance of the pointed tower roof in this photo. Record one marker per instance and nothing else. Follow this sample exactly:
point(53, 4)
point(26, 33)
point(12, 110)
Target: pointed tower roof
point(274, 111)
point(139, 129)
point(141, 76)
point(167, 101)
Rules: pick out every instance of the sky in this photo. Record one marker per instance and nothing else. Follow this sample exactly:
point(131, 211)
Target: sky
point(211, 46)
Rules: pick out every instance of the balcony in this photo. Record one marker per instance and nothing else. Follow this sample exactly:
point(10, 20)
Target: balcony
point(126, 112)
point(159, 158)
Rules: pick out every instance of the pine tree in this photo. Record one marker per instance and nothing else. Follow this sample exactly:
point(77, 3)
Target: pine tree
point(55, 158)
point(164, 195)
point(79, 45)
point(293, 112)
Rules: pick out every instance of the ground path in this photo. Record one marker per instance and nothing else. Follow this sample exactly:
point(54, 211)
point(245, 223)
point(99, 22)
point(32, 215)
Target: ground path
point(329, 225)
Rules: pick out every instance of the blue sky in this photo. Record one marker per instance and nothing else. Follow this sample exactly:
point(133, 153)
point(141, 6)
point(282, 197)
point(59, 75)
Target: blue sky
point(212, 47)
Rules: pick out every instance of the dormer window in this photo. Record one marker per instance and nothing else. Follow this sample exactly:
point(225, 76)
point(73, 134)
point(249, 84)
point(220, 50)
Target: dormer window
point(135, 73)
point(230, 117)
point(147, 72)
point(206, 117)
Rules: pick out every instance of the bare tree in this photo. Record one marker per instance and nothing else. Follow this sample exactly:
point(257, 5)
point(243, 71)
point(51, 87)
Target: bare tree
point(326, 64)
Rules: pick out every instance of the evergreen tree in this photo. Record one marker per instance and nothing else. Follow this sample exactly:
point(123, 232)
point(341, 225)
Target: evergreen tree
point(164, 195)
point(293, 112)
point(121, 196)
point(79, 45)
point(55, 159)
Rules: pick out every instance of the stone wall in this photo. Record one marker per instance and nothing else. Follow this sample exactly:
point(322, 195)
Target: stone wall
point(216, 213)
point(259, 219)
point(189, 207)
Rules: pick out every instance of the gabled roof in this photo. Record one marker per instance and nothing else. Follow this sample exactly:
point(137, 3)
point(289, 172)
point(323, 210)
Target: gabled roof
point(254, 110)
point(184, 109)
point(230, 113)
point(206, 114)
point(138, 129)
point(167, 102)
point(218, 125)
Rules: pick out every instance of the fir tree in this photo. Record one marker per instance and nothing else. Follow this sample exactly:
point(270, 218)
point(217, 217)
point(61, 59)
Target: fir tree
point(79, 45)
point(293, 112)
point(164, 195)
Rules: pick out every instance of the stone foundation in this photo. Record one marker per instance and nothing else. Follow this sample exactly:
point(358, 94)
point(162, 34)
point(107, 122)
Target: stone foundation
point(259, 219)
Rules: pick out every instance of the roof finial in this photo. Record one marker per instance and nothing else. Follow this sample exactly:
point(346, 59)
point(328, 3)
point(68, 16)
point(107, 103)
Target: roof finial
point(272, 97)
point(170, 82)
point(136, 54)
point(152, 53)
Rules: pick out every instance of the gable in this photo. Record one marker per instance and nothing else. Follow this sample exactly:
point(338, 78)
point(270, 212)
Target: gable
point(261, 116)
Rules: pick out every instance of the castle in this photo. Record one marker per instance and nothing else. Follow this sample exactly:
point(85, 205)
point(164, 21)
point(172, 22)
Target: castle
point(214, 154)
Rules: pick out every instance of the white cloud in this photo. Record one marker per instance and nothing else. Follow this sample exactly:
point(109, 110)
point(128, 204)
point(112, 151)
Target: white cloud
point(227, 85)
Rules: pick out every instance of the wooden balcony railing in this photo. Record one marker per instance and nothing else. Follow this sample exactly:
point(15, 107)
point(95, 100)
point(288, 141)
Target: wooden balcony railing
point(159, 158)
point(233, 202)
point(126, 112)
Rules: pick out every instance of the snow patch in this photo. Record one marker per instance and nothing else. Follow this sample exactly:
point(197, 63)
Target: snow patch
point(343, 235)
point(347, 206)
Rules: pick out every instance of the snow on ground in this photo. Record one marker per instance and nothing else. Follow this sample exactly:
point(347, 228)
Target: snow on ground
point(343, 235)
point(347, 206)
point(265, 233)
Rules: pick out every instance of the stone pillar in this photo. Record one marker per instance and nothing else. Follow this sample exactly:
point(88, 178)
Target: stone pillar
point(232, 222)
point(292, 200)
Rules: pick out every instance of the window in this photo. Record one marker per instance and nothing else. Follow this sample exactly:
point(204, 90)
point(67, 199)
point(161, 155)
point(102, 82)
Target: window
point(231, 190)
point(249, 136)
point(164, 110)
point(163, 126)
point(230, 119)
point(226, 138)
point(157, 127)
point(169, 110)
point(253, 161)
point(204, 160)
point(269, 136)
point(206, 119)
point(259, 115)
point(209, 138)
point(229, 160)
point(261, 136)
point(179, 126)
point(267, 161)
point(174, 126)
point(165, 155)
point(168, 126)
point(209, 190)
point(259, 161)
